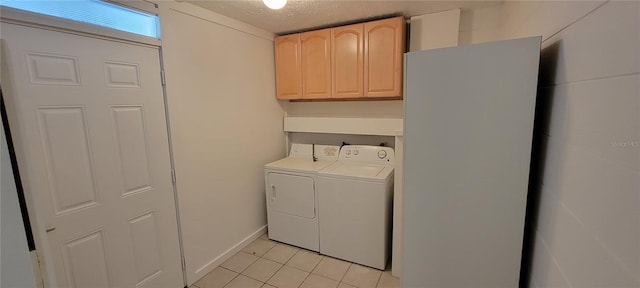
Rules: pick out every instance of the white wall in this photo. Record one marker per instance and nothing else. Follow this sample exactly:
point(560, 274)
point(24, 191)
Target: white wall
point(481, 25)
point(16, 269)
point(435, 30)
point(225, 125)
point(587, 194)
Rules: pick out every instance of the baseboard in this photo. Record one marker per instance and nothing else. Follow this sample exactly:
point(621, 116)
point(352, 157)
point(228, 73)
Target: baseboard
point(200, 272)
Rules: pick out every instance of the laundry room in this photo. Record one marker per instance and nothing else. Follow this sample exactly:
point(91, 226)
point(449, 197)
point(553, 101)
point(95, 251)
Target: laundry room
point(367, 144)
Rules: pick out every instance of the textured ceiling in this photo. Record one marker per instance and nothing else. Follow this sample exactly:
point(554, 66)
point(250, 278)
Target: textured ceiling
point(301, 15)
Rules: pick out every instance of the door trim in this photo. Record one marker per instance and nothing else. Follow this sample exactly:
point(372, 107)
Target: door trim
point(16, 175)
point(173, 170)
point(35, 20)
point(37, 222)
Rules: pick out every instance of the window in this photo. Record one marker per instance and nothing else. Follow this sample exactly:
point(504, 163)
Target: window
point(93, 12)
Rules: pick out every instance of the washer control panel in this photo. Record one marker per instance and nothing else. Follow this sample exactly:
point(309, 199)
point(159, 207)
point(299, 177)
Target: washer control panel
point(364, 153)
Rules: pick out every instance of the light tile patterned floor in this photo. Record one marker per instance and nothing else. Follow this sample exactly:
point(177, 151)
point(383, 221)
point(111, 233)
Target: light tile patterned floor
point(269, 264)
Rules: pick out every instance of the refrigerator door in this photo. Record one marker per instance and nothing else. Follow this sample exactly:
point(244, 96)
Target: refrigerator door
point(468, 129)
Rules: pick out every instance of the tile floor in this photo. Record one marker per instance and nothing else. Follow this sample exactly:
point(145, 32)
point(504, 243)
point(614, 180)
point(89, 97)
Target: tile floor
point(268, 264)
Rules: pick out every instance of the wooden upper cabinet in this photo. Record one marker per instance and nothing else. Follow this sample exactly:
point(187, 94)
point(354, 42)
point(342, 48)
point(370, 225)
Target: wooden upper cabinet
point(347, 49)
point(288, 63)
point(316, 64)
point(356, 61)
point(383, 51)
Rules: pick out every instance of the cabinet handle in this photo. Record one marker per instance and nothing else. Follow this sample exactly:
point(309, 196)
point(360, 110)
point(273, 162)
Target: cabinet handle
point(49, 229)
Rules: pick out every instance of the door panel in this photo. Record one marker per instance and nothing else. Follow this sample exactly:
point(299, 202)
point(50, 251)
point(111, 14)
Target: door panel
point(288, 75)
point(94, 155)
point(144, 236)
point(383, 51)
point(52, 69)
point(123, 75)
point(85, 262)
point(63, 132)
point(347, 51)
point(132, 145)
point(316, 64)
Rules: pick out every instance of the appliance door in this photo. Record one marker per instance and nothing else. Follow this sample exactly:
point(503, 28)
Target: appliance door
point(291, 194)
point(291, 209)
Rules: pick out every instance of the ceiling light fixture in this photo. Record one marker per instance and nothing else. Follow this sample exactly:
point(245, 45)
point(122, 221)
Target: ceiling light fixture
point(275, 4)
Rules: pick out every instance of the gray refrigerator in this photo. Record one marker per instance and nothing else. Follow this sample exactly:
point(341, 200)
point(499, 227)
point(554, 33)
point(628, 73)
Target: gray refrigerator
point(468, 129)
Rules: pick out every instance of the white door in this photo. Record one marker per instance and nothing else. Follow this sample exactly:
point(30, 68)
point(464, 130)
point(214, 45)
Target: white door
point(89, 121)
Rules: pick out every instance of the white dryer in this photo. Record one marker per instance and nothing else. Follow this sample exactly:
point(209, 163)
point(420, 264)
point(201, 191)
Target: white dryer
point(355, 201)
point(292, 209)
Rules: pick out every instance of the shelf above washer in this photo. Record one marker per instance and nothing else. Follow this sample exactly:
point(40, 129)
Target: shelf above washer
point(355, 126)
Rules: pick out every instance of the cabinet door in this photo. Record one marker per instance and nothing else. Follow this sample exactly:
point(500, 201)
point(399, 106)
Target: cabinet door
point(347, 51)
point(288, 76)
point(316, 64)
point(383, 50)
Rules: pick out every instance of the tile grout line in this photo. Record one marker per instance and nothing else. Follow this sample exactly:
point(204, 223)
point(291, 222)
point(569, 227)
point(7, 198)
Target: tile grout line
point(299, 250)
point(345, 274)
point(274, 274)
point(377, 281)
point(316, 266)
point(225, 285)
point(379, 278)
point(283, 264)
point(305, 278)
point(308, 273)
point(240, 273)
point(323, 257)
point(261, 257)
point(234, 278)
point(291, 267)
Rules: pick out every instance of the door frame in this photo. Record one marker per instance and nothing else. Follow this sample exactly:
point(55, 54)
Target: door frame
point(28, 19)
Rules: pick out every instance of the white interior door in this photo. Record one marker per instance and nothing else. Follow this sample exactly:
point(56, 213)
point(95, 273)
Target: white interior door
point(89, 119)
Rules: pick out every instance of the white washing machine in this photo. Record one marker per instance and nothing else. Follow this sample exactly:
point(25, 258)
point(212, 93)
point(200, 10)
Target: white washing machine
point(355, 200)
point(292, 209)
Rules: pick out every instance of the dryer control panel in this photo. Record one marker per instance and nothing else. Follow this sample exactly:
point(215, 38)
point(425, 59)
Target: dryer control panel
point(368, 154)
point(329, 152)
